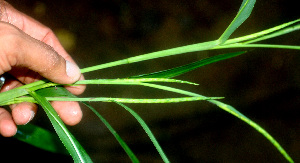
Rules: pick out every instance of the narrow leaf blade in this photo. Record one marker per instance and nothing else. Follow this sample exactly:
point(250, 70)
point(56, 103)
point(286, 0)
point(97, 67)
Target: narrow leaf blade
point(126, 148)
point(243, 13)
point(62, 92)
point(75, 149)
point(268, 33)
point(170, 73)
point(148, 131)
point(232, 111)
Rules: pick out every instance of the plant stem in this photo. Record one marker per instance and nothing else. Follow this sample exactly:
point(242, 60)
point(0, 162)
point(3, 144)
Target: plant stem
point(163, 53)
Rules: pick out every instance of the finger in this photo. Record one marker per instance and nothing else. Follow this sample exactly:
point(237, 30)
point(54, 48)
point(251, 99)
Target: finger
point(69, 111)
point(10, 84)
point(7, 126)
point(26, 76)
point(78, 89)
point(20, 50)
point(23, 113)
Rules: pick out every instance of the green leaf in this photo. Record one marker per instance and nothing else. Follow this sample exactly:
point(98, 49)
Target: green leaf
point(268, 33)
point(230, 110)
point(243, 13)
point(244, 45)
point(170, 73)
point(63, 92)
point(147, 130)
point(133, 100)
point(40, 138)
point(58, 91)
point(75, 149)
point(115, 134)
point(123, 100)
point(279, 32)
point(130, 81)
point(21, 91)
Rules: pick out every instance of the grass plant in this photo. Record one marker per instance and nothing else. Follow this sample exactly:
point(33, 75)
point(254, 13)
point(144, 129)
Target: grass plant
point(43, 91)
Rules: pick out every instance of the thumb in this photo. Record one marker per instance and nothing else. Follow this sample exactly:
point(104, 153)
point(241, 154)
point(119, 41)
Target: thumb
point(44, 60)
point(24, 51)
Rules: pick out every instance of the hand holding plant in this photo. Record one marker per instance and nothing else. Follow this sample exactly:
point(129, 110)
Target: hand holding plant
point(27, 55)
point(43, 91)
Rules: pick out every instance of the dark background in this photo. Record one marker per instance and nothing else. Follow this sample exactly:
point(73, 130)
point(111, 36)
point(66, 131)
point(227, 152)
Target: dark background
point(264, 84)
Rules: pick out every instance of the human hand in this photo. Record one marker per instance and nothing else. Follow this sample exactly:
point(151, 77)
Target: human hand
point(30, 51)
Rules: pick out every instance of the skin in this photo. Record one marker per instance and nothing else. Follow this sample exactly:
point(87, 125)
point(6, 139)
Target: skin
point(30, 51)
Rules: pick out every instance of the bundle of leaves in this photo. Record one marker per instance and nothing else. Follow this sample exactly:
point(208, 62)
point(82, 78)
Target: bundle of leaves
point(43, 91)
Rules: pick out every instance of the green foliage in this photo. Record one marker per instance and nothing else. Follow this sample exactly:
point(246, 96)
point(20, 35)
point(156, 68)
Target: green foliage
point(126, 148)
point(62, 92)
point(170, 73)
point(75, 149)
point(43, 91)
point(148, 131)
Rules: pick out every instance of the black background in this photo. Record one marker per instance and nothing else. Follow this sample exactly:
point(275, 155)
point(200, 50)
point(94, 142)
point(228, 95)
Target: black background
point(264, 84)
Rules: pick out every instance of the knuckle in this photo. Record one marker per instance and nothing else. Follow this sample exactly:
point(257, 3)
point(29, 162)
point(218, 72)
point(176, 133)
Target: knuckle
point(49, 35)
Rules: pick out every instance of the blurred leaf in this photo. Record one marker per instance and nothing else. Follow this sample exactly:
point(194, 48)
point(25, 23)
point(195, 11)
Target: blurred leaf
point(75, 149)
point(188, 67)
point(40, 138)
point(243, 13)
point(66, 38)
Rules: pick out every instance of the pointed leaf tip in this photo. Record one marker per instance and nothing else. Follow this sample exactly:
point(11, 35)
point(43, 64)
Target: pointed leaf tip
point(243, 13)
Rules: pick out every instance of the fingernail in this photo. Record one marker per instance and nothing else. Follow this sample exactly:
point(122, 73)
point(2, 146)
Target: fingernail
point(72, 70)
point(31, 116)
